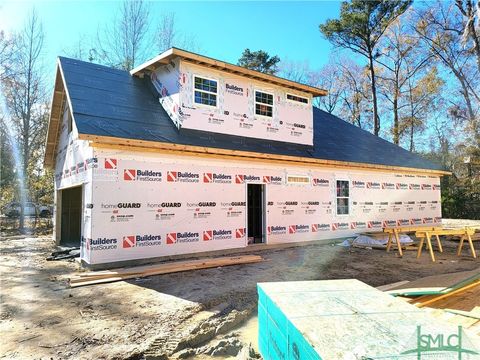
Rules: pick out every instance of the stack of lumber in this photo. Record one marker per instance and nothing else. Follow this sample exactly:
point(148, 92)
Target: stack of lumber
point(107, 276)
point(453, 297)
point(435, 285)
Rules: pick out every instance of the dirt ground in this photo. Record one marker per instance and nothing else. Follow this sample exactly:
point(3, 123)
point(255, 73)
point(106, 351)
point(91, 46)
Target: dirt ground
point(200, 314)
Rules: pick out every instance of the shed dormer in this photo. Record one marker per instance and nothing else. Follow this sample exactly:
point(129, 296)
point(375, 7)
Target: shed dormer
point(202, 93)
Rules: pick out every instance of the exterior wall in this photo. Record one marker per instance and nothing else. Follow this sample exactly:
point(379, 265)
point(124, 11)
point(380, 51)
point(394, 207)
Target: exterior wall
point(149, 205)
point(235, 111)
point(73, 167)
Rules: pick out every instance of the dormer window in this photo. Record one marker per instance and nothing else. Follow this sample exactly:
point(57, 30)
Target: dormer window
point(263, 104)
point(205, 91)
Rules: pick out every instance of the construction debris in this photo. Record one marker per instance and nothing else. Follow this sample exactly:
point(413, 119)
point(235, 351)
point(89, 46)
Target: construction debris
point(454, 298)
point(378, 240)
point(436, 284)
point(63, 254)
point(107, 276)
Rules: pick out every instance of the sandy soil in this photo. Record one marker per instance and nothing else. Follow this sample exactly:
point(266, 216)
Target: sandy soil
point(196, 314)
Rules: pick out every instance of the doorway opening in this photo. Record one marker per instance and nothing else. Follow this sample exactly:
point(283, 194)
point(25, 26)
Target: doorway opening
point(255, 213)
point(71, 217)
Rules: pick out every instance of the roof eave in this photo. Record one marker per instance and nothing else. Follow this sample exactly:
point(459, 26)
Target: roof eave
point(143, 145)
point(54, 123)
point(166, 57)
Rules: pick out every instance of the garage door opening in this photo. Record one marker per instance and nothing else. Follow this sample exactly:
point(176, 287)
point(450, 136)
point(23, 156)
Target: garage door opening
point(71, 219)
point(255, 210)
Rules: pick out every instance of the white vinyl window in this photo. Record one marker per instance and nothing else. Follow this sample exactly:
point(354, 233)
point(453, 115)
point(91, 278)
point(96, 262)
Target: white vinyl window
point(205, 91)
point(343, 197)
point(263, 103)
point(297, 99)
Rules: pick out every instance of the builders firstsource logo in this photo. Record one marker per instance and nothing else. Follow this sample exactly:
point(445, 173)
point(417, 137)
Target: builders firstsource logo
point(141, 175)
point(217, 235)
point(358, 184)
point(403, 222)
point(110, 164)
point(414, 187)
point(99, 244)
point(388, 186)
point(374, 224)
point(303, 228)
point(141, 240)
point(402, 186)
point(426, 187)
point(185, 176)
point(320, 182)
point(182, 237)
point(217, 178)
point(277, 180)
point(276, 230)
point(240, 233)
point(358, 225)
point(241, 179)
point(389, 223)
point(340, 226)
point(373, 185)
point(91, 163)
point(320, 227)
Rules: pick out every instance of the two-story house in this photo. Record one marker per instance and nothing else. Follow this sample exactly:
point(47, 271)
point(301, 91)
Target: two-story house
point(188, 154)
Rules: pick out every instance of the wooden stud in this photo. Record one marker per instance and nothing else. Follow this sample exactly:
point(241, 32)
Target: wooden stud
point(441, 297)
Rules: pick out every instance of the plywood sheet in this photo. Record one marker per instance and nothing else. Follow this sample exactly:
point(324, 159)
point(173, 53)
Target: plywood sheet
point(340, 319)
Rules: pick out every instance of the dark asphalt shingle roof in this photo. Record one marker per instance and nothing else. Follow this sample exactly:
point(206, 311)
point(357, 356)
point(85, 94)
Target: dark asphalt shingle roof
point(110, 102)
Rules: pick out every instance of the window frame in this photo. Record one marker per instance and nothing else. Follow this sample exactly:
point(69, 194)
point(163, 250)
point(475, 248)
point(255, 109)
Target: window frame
point(342, 197)
point(297, 102)
point(204, 91)
point(255, 90)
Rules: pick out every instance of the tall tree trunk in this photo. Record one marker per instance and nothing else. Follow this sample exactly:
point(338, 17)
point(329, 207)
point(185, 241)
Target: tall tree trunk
point(466, 95)
point(376, 119)
point(396, 130)
point(412, 130)
point(472, 31)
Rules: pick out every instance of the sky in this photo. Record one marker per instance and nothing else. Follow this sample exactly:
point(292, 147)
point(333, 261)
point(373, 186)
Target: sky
point(221, 30)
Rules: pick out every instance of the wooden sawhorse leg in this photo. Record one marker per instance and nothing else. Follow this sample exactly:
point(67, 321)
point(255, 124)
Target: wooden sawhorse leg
point(439, 243)
point(470, 243)
point(429, 242)
point(420, 247)
point(398, 243)
point(389, 243)
point(429, 246)
point(460, 245)
point(472, 249)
